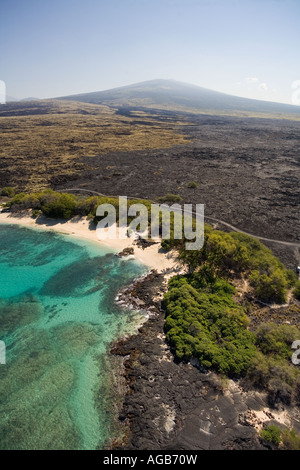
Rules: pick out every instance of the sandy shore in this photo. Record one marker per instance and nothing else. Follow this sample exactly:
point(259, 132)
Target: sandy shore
point(151, 256)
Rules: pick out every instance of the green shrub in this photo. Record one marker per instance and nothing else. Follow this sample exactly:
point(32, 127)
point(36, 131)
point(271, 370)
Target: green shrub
point(7, 191)
point(276, 340)
point(230, 254)
point(57, 205)
point(258, 373)
point(260, 258)
point(35, 214)
point(88, 206)
point(271, 434)
point(208, 326)
point(291, 278)
point(220, 252)
point(279, 377)
point(290, 439)
point(169, 198)
point(192, 185)
point(297, 290)
point(270, 288)
point(17, 200)
point(271, 368)
point(24, 201)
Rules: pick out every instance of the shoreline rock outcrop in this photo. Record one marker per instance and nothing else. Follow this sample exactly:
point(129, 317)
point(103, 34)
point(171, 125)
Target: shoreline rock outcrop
point(171, 405)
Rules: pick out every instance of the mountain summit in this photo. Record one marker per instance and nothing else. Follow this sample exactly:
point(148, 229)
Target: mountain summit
point(174, 95)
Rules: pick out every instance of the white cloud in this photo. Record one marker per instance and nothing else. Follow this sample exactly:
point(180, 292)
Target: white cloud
point(252, 79)
point(263, 87)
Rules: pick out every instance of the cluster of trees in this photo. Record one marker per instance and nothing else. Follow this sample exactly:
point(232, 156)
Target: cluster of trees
point(48, 202)
point(64, 205)
point(229, 255)
point(204, 322)
point(223, 254)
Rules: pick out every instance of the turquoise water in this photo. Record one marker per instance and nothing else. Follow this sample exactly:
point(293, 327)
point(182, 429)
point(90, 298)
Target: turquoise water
point(57, 319)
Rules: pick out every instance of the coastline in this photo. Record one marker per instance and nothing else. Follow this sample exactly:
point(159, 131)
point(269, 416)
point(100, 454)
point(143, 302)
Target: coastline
point(161, 266)
point(151, 256)
point(170, 404)
point(160, 403)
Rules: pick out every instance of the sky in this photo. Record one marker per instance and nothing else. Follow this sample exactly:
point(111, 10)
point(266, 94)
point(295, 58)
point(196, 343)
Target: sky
point(55, 48)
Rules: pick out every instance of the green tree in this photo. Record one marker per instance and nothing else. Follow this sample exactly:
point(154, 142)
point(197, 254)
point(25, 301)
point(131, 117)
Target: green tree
point(57, 205)
point(270, 288)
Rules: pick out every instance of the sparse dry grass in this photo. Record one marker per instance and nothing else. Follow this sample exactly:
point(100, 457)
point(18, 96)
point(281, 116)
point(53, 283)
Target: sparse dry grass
point(223, 112)
point(45, 138)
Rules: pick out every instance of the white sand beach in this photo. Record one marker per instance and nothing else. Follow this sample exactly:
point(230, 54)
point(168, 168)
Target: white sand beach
point(151, 256)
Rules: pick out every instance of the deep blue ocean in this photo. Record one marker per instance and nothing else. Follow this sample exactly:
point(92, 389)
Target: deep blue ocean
point(57, 319)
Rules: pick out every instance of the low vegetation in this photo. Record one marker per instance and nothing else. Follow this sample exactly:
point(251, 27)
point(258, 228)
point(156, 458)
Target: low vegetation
point(42, 142)
point(192, 185)
point(204, 322)
point(7, 191)
point(169, 199)
point(297, 290)
point(64, 205)
point(230, 255)
point(271, 434)
point(271, 368)
point(288, 438)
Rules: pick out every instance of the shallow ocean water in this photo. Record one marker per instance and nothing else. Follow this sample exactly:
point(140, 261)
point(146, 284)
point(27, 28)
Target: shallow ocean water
point(57, 319)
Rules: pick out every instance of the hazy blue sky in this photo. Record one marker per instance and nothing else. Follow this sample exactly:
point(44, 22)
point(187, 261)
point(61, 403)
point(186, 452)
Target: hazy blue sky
point(59, 47)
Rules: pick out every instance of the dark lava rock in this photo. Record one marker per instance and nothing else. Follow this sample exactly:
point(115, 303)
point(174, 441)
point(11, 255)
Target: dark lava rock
point(172, 405)
point(126, 252)
point(143, 243)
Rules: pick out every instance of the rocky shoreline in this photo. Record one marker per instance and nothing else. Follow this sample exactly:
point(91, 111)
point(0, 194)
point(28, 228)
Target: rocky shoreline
point(170, 405)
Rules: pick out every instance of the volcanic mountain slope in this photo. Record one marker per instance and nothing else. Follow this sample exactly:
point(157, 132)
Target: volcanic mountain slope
point(173, 95)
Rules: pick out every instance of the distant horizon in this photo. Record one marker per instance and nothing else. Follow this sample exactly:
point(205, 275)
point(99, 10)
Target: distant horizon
point(247, 49)
point(11, 99)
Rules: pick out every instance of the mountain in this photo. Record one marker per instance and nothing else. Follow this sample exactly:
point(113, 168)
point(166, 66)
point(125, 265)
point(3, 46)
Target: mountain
point(173, 95)
point(30, 98)
point(10, 98)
